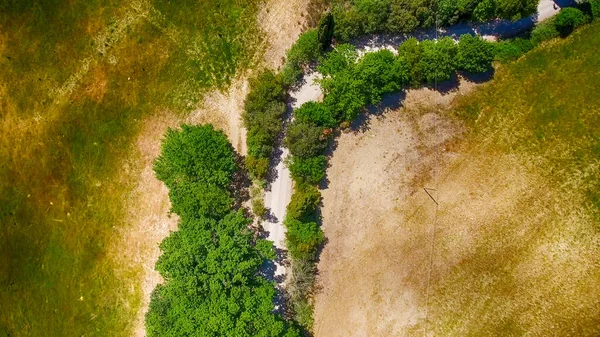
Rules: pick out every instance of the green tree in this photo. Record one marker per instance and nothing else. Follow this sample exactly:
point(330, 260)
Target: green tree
point(348, 23)
point(437, 61)
point(342, 58)
point(304, 139)
point(475, 54)
point(194, 200)
point(257, 167)
point(401, 19)
point(303, 238)
point(325, 30)
point(306, 49)
point(211, 285)
point(411, 51)
point(309, 170)
point(263, 109)
point(195, 154)
point(317, 113)
point(378, 74)
point(568, 19)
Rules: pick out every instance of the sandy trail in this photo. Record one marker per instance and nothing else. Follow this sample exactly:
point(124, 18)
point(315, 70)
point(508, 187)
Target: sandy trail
point(277, 199)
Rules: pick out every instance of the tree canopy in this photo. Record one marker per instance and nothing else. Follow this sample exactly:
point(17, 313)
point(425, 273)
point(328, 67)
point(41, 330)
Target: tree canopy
point(211, 265)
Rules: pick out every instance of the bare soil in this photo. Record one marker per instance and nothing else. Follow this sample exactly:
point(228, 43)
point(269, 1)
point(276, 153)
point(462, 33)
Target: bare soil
point(373, 270)
point(493, 249)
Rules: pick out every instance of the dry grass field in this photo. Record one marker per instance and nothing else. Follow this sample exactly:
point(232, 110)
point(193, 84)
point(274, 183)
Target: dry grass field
point(512, 247)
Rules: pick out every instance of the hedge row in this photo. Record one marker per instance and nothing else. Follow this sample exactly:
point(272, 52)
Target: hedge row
point(354, 18)
point(211, 264)
point(562, 25)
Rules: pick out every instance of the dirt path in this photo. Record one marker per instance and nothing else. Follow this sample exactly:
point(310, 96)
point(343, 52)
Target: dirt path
point(277, 199)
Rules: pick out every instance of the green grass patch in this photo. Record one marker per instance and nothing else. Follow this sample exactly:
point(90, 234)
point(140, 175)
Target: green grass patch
point(77, 81)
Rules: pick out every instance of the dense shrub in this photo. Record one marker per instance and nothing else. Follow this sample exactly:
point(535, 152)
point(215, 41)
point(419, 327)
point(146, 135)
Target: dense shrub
point(474, 54)
point(210, 265)
point(195, 154)
point(568, 19)
point(303, 239)
point(438, 60)
point(316, 113)
point(310, 170)
point(354, 18)
point(510, 50)
point(258, 207)
point(263, 111)
point(305, 139)
point(543, 32)
point(304, 202)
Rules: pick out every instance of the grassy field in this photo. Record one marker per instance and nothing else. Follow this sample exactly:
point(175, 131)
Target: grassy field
point(76, 81)
point(518, 250)
point(510, 245)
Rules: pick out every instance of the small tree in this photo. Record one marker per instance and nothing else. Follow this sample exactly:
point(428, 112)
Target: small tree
point(569, 19)
point(438, 59)
point(325, 30)
point(475, 54)
point(305, 139)
point(310, 170)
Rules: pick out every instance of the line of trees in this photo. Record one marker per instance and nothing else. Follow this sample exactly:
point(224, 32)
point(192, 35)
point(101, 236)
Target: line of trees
point(560, 26)
point(354, 18)
point(210, 266)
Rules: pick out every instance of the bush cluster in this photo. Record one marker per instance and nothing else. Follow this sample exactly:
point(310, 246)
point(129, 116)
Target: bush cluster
point(210, 265)
point(263, 111)
point(354, 18)
point(303, 239)
point(563, 24)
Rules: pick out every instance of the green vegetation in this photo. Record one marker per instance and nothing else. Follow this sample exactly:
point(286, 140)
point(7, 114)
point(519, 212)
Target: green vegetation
point(78, 81)
point(568, 19)
point(210, 265)
point(310, 170)
point(264, 109)
point(303, 239)
point(536, 124)
point(475, 55)
point(305, 50)
point(354, 18)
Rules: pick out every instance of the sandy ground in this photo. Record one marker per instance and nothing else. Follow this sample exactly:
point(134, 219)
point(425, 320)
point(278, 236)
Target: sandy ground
point(370, 257)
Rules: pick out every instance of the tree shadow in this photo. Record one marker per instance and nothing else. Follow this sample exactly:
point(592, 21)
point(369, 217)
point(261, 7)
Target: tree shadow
point(478, 77)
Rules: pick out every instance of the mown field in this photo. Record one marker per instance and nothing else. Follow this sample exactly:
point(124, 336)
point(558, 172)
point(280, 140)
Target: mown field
point(77, 80)
point(518, 235)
